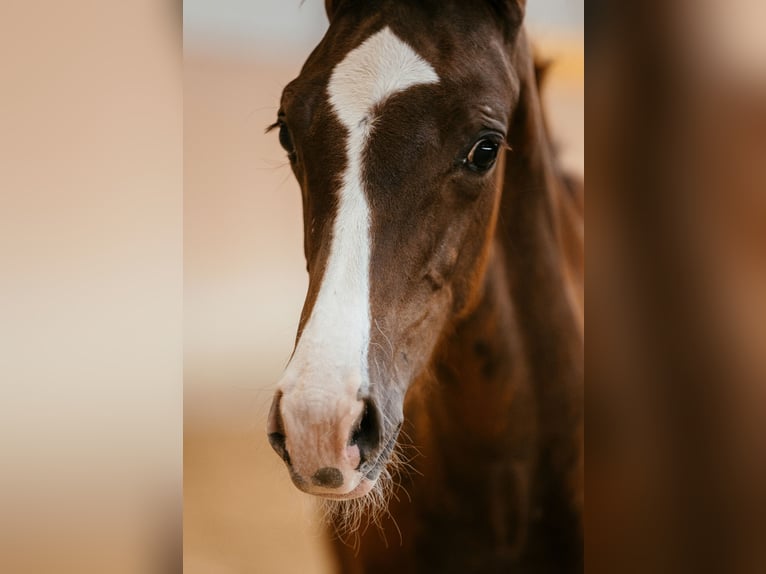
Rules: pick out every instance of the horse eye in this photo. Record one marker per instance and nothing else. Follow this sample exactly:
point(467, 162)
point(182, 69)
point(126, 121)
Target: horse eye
point(483, 154)
point(285, 140)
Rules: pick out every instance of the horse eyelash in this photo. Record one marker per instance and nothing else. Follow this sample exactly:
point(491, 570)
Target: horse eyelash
point(272, 127)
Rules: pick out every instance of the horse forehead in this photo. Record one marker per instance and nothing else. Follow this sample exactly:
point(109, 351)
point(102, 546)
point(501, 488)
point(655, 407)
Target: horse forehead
point(378, 68)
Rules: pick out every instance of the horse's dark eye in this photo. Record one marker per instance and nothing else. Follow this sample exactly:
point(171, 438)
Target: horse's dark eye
point(483, 154)
point(285, 140)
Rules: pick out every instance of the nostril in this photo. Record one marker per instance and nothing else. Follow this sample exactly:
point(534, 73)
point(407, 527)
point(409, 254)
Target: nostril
point(366, 434)
point(277, 441)
point(276, 430)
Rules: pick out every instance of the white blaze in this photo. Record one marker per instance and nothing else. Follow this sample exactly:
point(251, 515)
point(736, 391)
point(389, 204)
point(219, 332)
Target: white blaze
point(330, 360)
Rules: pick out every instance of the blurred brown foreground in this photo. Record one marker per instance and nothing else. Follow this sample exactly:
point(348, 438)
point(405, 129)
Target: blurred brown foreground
point(676, 272)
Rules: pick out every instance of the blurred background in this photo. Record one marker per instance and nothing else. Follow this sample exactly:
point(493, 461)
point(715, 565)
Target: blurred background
point(90, 287)
point(244, 272)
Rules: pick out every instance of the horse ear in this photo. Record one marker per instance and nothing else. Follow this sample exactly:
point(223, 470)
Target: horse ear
point(510, 12)
point(516, 4)
point(330, 6)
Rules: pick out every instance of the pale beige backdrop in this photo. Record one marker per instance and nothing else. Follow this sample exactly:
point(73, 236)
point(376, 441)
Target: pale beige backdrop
point(244, 282)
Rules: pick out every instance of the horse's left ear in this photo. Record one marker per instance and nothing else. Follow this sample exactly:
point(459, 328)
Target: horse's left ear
point(510, 4)
point(331, 6)
point(510, 12)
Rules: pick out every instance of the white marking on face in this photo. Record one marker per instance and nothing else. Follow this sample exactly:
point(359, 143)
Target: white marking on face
point(330, 361)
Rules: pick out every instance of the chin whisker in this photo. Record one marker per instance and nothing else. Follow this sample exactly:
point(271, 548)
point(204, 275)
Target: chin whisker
point(349, 520)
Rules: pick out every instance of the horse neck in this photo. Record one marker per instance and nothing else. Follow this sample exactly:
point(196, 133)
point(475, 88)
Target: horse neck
point(539, 233)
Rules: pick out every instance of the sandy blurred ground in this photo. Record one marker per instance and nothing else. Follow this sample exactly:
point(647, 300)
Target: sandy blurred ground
point(244, 286)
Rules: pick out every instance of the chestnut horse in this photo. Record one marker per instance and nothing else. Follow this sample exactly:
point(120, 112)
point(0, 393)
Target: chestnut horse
point(444, 309)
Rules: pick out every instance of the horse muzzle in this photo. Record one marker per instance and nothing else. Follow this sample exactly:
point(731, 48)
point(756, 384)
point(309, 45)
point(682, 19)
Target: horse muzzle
point(332, 445)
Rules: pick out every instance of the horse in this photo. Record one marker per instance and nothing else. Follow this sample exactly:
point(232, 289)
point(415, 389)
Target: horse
point(436, 381)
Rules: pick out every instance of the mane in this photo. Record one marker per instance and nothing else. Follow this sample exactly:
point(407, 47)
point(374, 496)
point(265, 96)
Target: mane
point(571, 182)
